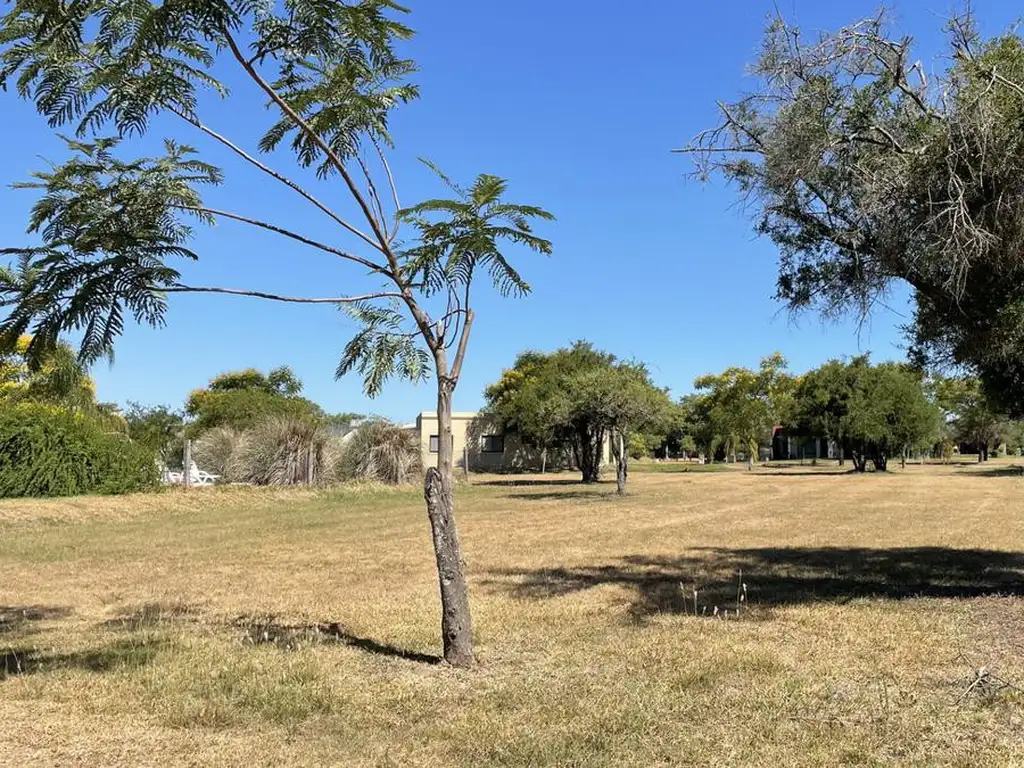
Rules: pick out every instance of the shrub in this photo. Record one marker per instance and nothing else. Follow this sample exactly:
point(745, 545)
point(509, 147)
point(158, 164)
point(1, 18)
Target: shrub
point(382, 451)
point(283, 451)
point(49, 451)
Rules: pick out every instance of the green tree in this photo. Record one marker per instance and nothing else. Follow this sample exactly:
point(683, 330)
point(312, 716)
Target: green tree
point(866, 166)
point(114, 228)
point(890, 415)
point(158, 428)
point(244, 399)
point(695, 430)
point(823, 399)
point(969, 414)
point(744, 406)
point(279, 381)
point(579, 397)
point(56, 377)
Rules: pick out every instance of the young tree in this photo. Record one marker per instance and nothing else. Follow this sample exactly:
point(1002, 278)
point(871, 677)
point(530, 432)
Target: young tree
point(745, 405)
point(866, 166)
point(112, 227)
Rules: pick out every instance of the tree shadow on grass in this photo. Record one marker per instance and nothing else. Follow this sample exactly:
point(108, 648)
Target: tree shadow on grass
point(784, 472)
point(260, 630)
point(25, 619)
point(593, 494)
point(268, 631)
point(778, 577)
point(527, 483)
point(1013, 470)
point(149, 615)
point(124, 654)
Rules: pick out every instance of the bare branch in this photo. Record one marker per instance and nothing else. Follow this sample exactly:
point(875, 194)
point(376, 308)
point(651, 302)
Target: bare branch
point(460, 353)
point(391, 183)
point(280, 177)
point(178, 288)
point(296, 118)
point(421, 317)
point(288, 233)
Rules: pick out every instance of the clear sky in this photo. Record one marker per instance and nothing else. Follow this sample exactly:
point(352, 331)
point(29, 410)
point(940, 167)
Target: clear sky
point(579, 105)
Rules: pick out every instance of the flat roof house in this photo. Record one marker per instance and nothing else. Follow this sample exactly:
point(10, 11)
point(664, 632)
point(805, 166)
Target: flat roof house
point(482, 445)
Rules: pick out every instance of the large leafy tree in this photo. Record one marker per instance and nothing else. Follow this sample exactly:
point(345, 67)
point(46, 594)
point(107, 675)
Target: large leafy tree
point(890, 415)
point(823, 399)
point(969, 413)
point(115, 228)
point(579, 397)
point(866, 167)
point(744, 405)
point(242, 399)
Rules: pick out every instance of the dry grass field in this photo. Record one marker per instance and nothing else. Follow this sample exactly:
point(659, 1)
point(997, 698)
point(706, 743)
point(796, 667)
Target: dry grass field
point(246, 627)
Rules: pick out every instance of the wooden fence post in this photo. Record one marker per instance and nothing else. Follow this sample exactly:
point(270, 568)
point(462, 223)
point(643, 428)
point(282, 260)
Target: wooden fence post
point(186, 463)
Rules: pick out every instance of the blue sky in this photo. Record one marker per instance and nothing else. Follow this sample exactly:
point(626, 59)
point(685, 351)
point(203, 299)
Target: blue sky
point(579, 105)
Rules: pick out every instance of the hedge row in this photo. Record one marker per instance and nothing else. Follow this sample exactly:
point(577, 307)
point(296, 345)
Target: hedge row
point(48, 451)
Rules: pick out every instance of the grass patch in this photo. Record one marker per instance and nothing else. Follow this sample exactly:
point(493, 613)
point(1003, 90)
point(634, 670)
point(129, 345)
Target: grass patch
point(251, 627)
point(675, 466)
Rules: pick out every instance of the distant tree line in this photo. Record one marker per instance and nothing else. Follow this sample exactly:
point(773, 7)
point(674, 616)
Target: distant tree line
point(572, 401)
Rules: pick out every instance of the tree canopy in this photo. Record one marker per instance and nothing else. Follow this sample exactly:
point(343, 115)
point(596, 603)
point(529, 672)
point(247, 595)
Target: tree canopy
point(579, 397)
point(864, 167)
point(743, 406)
point(872, 412)
point(243, 399)
point(56, 377)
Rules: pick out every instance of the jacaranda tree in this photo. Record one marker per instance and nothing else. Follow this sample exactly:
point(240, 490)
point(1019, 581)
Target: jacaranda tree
point(115, 227)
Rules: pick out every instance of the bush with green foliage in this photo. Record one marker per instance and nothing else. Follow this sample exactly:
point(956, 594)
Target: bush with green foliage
point(159, 428)
point(48, 451)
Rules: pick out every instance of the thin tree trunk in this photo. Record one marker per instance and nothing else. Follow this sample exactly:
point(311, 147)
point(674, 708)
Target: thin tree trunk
point(543, 460)
point(456, 621)
point(620, 466)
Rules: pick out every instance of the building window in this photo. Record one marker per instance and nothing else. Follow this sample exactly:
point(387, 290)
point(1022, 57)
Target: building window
point(435, 440)
point(493, 444)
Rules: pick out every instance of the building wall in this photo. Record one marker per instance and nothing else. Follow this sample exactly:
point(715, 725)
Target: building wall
point(469, 433)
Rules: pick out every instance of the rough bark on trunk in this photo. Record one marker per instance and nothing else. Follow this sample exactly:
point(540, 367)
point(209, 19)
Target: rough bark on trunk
point(620, 466)
point(860, 461)
point(880, 460)
point(591, 447)
point(456, 621)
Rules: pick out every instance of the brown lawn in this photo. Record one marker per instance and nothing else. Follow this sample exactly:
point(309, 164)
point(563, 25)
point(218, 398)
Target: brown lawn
point(248, 627)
